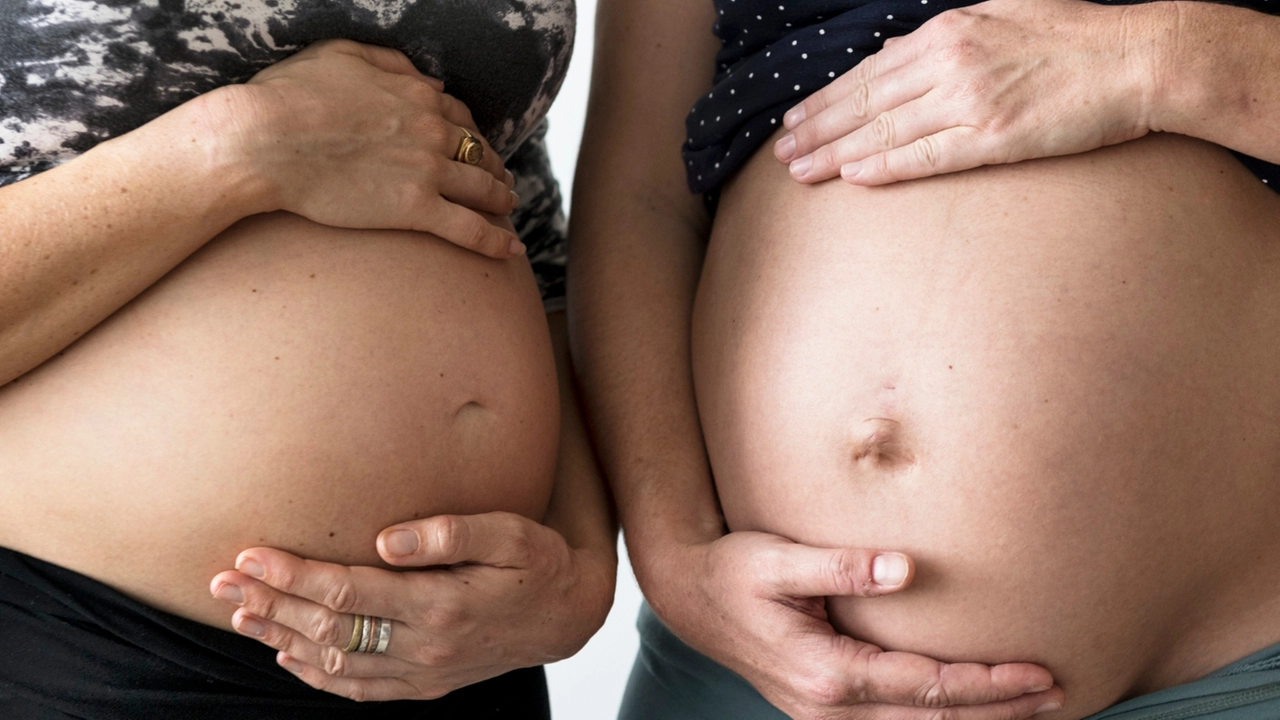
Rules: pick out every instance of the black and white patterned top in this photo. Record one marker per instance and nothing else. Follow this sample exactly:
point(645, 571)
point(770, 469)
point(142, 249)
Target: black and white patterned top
point(74, 73)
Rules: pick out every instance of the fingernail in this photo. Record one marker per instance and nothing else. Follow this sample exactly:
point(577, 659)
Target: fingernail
point(517, 247)
point(291, 665)
point(1036, 689)
point(800, 167)
point(515, 199)
point(1047, 707)
point(252, 568)
point(401, 542)
point(889, 570)
point(794, 116)
point(249, 626)
point(230, 593)
point(851, 170)
point(786, 147)
point(511, 179)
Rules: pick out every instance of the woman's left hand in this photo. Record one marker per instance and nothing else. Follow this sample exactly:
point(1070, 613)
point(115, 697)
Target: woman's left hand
point(997, 82)
point(498, 592)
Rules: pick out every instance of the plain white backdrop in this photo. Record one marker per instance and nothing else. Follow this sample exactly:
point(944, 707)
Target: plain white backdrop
point(588, 686)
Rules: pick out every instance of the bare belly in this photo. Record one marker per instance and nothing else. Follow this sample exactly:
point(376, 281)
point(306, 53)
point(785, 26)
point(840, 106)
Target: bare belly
point(1055, 384)
point(290, 385)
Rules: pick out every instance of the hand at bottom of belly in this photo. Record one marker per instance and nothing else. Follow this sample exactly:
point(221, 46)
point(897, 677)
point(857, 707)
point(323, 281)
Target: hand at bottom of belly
point(489, 594)
point(756, 603)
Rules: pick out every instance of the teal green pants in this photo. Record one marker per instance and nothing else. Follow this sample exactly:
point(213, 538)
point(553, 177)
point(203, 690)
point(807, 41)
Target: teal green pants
point(672, 681)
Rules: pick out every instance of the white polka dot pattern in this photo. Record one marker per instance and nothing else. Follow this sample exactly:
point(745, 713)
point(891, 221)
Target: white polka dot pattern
point(774, 55)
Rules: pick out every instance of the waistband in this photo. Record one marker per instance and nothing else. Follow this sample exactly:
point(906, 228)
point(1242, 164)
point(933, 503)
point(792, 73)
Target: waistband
point(75, 647)
point(1248, 689)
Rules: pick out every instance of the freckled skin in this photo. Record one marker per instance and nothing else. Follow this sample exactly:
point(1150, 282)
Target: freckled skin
point(185, 415)
point(958, 374)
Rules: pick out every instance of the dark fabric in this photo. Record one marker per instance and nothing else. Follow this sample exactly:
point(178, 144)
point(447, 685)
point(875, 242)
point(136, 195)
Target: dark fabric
point(74, 73)
point(672, 681)
point(775, 53)
point(75, 648)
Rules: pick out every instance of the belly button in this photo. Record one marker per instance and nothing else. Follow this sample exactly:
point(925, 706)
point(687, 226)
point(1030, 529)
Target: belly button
point(879, 442)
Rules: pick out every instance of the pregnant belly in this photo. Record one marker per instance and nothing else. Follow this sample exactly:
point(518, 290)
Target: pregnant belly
point(1054, 384)
point(290, 385)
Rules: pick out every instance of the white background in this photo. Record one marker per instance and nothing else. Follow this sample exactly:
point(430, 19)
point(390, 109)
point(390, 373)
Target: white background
point(589, 685)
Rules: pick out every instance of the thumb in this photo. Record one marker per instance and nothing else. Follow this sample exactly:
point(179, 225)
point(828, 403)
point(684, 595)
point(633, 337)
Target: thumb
point(499, 539)
point(806, 571)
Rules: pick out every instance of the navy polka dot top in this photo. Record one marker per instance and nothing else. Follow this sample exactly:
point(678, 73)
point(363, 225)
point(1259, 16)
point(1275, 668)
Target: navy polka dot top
point(775, 53)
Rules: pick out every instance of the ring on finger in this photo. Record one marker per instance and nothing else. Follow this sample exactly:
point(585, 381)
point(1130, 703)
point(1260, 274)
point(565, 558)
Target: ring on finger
point(370, 635)
point(470, 150)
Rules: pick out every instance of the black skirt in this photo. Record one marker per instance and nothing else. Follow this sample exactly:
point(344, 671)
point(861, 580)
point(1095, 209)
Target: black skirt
point(71, 647)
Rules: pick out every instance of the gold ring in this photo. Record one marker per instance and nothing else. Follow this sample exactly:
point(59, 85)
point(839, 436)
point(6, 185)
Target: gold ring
point(470, 150)
point(357, 629)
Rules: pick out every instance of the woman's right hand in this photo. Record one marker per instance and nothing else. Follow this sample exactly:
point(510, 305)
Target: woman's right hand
point(352, 135)
point(755, 603)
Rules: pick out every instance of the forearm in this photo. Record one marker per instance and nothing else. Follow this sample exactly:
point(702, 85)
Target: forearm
point(81, 240)
point(580, 508)
point(637, 237)
point(631, 308)
point(1215, 74)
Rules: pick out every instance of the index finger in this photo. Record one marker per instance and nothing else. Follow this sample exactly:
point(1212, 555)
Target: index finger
point(873, 65)
point(900, 678)
point(341, 588)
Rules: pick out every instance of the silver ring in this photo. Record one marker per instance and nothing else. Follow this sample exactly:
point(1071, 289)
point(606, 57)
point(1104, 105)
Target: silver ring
point(384, 637)
point(366, 634)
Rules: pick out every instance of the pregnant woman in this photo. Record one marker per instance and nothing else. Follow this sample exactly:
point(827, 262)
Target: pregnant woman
point(1052, 385)
point(242, 306)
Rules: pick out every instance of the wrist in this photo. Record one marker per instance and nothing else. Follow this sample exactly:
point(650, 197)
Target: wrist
point(1174, 85)
point(227, 127)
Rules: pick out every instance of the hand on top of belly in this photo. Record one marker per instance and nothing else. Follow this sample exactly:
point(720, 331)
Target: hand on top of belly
point(352, 135)
point(498, 592)
point(997, 82)
point(756, 603)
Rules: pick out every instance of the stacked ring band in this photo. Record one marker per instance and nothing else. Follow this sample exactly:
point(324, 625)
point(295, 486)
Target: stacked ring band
point(470, 150)
point(370, 635)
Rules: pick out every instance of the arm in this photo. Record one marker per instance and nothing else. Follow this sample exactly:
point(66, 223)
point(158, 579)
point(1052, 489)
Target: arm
point(752, 601)
point(1214, 74)
point(81, 240)
point(513, 593)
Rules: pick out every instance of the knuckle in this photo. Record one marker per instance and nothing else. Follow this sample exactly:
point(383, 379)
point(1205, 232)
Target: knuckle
point(957, 50)
point(522, 547)
point(342, 596)
point(444, 615)
point(433, 128)
point(439, 654)
point(884, 131)
point(284, 578)
point(934, 694)
point(860, 100)
point(447, 533)
point(325, 630)
point(264, 604)
point(335, 662)
point(927, 152)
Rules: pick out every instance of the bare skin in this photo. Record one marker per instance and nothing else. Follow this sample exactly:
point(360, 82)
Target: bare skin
point(1032, 362)
point(824, 383)
point(273, 317)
